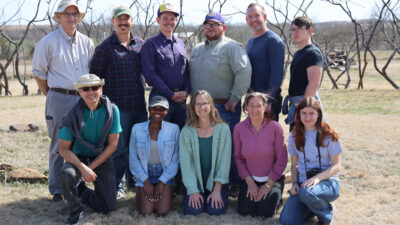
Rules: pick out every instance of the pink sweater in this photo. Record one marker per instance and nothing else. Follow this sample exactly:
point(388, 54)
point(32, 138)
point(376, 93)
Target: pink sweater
point(261, 153)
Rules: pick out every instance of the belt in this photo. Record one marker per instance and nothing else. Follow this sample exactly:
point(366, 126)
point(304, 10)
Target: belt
point(220, 101)
point(65, 91)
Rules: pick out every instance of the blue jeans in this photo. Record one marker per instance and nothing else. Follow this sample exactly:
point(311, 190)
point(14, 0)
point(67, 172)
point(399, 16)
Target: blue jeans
point(232, 119)
point(298, 208)
point(155, 171)
point(176, 112)
point(121, 155)
point(188, 210)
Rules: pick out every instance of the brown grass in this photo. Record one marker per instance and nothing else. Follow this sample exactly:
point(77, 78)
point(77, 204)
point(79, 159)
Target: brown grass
point(368, 122)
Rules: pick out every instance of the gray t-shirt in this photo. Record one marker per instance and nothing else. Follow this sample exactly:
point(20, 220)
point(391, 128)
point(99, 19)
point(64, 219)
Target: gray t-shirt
point(311, 152)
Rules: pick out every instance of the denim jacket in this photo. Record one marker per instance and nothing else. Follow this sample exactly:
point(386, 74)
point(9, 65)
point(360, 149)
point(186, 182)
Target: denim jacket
point(139, 151)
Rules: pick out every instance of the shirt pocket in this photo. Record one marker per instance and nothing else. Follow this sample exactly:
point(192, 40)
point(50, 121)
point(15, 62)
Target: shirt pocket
point(168, 151)
point(141, 151)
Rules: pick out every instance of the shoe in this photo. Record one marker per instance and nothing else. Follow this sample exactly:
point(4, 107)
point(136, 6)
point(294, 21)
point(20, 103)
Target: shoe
point(74, 217)
point(81, 188)
point(121, 194)
point(57, 198)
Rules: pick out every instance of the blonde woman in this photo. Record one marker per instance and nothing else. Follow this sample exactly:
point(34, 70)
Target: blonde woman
point(205, 153)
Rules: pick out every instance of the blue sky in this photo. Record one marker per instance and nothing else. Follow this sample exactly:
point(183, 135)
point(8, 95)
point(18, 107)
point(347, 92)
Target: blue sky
point(193, 10)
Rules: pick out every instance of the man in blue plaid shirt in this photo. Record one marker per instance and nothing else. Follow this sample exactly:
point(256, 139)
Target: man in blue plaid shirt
point(117, 60)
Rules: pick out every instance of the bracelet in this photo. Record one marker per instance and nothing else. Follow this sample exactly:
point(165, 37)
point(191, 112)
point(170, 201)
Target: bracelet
point(268, 186)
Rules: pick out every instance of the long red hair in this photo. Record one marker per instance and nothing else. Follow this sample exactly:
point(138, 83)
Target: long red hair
point(323, 128)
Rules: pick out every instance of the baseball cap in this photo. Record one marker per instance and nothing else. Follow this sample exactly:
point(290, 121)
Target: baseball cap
point(166, 7)
point(214, 16)
point(122, 10)
point(158, 101)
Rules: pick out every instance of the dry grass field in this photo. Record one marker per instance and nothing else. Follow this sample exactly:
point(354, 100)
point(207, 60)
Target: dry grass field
point(368, 122)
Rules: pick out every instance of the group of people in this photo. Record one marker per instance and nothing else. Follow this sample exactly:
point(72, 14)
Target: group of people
point(100, 131)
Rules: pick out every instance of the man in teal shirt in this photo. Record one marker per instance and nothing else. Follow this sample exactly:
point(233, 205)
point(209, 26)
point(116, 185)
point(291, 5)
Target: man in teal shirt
point(88, 137)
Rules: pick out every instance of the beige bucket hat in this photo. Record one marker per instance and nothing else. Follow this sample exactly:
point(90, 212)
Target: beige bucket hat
point(89, 80)
point(65, 4)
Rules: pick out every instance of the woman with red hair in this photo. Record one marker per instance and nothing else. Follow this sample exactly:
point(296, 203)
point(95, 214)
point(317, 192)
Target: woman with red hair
point(315, 162)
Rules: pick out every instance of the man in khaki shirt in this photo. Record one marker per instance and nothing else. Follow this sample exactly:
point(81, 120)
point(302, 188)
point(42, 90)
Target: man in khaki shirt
point(221, 66)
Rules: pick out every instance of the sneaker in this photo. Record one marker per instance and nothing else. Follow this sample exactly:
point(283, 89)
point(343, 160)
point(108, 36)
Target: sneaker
point(121, 194)
point(57, 198)
point(73, 218)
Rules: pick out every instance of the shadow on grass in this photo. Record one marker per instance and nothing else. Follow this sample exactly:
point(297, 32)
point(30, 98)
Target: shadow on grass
point(44, 211)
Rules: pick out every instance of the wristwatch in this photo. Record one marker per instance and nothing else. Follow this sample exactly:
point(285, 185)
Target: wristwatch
point(268, 186)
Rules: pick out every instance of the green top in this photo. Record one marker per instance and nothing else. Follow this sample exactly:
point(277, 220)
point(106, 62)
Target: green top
point(220, 67)
point(205, 147)
point(92, 129)
point(189, 155)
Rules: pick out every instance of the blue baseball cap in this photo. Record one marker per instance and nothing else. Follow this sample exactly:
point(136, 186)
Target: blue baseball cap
point(214, 16)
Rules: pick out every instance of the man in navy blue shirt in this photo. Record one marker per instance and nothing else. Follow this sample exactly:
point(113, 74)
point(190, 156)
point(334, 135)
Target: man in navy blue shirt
point(267, 53)
point(117, 60)
point(165, 65)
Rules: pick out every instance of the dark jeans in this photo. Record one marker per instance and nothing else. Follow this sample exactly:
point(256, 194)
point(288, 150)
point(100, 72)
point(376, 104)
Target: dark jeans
point(121, 155)
point(176, 112)
point(264, 208)
point(102, 199)
point(276, 105)
point(232, 119)
point(188, 210)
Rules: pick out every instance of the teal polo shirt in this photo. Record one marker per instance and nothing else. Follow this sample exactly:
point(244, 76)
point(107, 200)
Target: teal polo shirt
point(92, 129)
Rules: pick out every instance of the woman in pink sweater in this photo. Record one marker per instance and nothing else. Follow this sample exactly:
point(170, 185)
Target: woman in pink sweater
point(261, 158)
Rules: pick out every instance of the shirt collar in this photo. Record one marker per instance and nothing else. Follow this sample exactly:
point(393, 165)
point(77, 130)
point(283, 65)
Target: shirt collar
point(165, 39)
point(66, 36)
point(209, 43)
point(114, 39)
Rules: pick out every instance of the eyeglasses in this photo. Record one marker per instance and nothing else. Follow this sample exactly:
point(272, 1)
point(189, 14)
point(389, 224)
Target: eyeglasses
point(212, 25)
point(94, 88)
point(158, 109)
point(68, 14)
point(200, 105)
point(292, 30)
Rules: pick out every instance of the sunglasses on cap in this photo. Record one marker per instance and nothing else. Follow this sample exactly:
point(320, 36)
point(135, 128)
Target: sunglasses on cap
point(94, 88)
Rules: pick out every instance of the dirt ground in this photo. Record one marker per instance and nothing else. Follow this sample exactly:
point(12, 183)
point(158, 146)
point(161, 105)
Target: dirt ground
point(369, 176)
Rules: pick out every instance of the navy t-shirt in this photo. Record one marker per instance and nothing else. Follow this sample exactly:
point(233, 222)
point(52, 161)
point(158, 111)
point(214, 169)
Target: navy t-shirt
point(302, 59)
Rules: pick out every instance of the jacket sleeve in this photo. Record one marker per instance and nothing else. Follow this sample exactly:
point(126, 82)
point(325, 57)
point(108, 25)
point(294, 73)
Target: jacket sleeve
point(135, 166)
point(172, 168)
point(237, 154)
point(187, 162)
point(281, 155)
point(223, 165)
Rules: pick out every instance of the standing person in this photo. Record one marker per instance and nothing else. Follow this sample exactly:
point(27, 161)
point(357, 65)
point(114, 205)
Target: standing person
point(117, 60)
point(261, 158)
point(205, 157)
point(59, 60)
point(267, 55)
point(220, 66)
point(88, 137)
point(165, 65)
point(306, 67)
point(315, 151)
point(153, 159)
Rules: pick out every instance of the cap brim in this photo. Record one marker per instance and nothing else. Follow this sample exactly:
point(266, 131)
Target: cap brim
point(77, 85)
point(176, 14)
point(215, 20)
point(81, 15)
point(159, 104)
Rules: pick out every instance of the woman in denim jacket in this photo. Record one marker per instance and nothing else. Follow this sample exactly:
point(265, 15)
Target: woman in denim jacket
point(205, 152)
point(153, 159)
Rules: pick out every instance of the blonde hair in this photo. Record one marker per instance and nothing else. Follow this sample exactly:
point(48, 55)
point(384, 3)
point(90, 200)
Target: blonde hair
point(192, 118)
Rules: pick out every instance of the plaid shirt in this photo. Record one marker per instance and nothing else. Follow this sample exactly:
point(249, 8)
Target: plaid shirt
point(120, 67)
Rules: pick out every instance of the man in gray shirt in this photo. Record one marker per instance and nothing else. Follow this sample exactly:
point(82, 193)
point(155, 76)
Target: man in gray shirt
point(221, 66)
point(59, 60)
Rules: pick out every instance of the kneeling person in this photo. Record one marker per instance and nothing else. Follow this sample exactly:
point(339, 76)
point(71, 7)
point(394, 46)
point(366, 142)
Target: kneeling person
point(153, 159)
point(88, 137)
